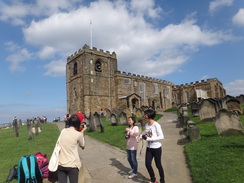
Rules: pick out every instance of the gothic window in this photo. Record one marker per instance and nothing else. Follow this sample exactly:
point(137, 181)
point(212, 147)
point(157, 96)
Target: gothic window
point(142, 90)
point(75, 68)
point(155, 87)
point(127, 80)
point(98, 66)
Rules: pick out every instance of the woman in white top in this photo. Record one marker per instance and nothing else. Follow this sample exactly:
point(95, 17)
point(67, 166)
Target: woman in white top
point(153, 135)
point(132, 133)
point(70, 140)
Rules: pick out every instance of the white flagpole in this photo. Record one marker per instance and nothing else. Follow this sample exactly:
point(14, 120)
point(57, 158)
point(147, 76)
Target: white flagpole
point(91, 33)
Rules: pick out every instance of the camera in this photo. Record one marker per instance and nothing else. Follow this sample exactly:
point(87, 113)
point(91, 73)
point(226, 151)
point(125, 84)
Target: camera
point(83, 124)
point(144, 136)
point(127, 135)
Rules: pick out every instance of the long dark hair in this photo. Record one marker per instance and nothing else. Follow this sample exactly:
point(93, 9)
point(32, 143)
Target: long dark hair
point(74, 121)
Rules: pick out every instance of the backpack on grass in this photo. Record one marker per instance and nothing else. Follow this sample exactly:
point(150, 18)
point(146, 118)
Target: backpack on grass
point(29, 170)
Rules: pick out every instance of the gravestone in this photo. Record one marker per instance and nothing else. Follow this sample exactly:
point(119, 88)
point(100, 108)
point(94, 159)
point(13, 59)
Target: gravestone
point(208, 109)
point(113, 119)
point(123, 119)
point(193, 131)
point(98, 121)
point(184, 117)
point(240, 98)
point(234, 105)
point(139, 113)
point(128, 112)
point(20, 122)
point(107, 114)
point(93, 125)
point(15, 127)
point(228, 123)
point(29, 129)
point(195, 109)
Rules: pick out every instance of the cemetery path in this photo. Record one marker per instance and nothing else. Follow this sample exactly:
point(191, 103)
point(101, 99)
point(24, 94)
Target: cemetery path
point(104, 163)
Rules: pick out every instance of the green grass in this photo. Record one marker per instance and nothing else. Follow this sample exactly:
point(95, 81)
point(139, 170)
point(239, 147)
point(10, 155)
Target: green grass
point(113, 135)
point(215, 158)
point(13, 148)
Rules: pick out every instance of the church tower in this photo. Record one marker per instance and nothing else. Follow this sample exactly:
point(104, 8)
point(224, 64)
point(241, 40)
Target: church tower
point(90, 80)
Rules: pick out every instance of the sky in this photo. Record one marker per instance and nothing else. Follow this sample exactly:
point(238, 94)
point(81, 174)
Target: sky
point(178, 41)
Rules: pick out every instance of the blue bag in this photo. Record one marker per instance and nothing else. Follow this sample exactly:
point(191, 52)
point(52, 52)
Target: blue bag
point(29, 170)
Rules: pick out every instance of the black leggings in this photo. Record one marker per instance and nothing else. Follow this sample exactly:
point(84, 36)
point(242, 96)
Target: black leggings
point(156, 154)
point(64, 172)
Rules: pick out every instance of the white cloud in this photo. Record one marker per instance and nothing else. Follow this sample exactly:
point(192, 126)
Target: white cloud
point(115, 28)
point(18, 55)
point(47, 52)
point(15, 11)
point(216, 4)
point(235, 88)
point(55, 68)
point(238, 19)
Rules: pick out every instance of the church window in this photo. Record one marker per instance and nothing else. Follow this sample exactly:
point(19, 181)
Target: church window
point(155, 88)
point(98, 66)
point(127, 80)
point(75, 68)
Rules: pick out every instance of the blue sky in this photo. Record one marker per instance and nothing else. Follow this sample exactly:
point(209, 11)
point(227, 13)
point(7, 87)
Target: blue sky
point(177, 41)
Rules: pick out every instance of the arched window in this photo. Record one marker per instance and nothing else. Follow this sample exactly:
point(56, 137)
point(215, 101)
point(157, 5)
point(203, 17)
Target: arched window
point(98, 66)
point(75, 68)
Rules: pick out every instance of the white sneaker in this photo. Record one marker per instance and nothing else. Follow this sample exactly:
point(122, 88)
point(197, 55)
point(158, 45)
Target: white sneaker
point(132, 176)
point(131, 171)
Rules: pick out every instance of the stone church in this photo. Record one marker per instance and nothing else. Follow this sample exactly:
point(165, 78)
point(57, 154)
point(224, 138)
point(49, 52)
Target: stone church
point(93, 82)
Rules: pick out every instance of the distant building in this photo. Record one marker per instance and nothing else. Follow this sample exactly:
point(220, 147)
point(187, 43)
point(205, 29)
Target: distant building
point(93, 82)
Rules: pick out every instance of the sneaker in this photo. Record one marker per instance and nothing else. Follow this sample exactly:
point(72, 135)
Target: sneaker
point(132, 176)
point(131, 171)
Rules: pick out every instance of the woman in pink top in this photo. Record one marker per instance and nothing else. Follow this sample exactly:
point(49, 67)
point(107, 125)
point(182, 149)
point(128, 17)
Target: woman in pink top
point(131, 135)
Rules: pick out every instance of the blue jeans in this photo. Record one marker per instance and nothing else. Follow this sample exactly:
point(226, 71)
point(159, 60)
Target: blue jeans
point(131, 157)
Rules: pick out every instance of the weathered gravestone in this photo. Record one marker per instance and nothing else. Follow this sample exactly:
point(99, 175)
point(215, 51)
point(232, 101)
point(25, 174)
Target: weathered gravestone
point(29, 129)
point(127, 112)
point(193, 131)
point(20, 122)
point(15, 127)
point(184, 117)
point(107, 114)
point(194, 109)
point(139, 113)
point(208, 109)
point(234, 105)
point(113, 119)
point(240, 98)
point(228, 123)
point(98, 121)
point(123, 119)
point(93, 125)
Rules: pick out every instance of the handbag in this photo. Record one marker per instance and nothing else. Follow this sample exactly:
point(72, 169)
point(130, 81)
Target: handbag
point(53, 162)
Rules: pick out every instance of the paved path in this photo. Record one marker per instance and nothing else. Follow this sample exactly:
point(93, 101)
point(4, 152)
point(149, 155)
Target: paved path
point(103, 163)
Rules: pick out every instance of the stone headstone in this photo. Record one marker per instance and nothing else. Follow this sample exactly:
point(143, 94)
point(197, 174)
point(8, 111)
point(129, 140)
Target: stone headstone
point(240, 98)
point(20, 122)
point(128, 112)
point(15, 127)
point(107, 114)
point(194, 109)
point(193, 131)
point(93, 125)
point(234, 105)
point(208, 109)
point(113, 120)
point(98, 121)
point(228, 123)
point(29, 129)
point(123, 119)
point(139, 113)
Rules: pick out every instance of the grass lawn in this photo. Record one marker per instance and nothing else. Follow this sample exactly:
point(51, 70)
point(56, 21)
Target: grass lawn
point(13, 148)
point(214, 158)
